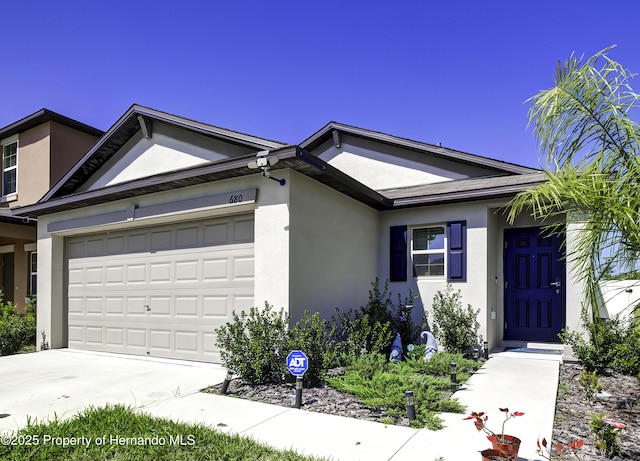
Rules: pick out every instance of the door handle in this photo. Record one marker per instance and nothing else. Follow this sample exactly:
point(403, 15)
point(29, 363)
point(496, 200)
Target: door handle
point(557, 283)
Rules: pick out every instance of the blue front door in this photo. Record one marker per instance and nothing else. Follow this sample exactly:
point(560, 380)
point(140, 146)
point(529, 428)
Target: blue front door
point(534, 286)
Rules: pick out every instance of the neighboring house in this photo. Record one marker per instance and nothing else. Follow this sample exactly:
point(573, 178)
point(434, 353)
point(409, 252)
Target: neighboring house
point(162, 230)
point(36, 152)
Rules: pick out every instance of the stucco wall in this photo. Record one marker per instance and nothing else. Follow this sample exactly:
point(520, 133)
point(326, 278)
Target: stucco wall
point(474, 290)
point(575, 286)
point(68, 145)
point(45, 154)
point(334, 248)
point(33, 165)
point(395, 167)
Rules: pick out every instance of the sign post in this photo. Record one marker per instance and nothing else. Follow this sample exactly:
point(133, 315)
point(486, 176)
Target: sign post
point(298, 364)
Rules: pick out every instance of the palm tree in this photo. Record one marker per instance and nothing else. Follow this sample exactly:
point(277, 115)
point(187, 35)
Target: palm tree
point(583, 125)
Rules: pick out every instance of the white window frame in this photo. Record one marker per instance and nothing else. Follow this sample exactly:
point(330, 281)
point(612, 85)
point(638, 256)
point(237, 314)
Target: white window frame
point(429, 251)
point(6, 142)
point(33, 289)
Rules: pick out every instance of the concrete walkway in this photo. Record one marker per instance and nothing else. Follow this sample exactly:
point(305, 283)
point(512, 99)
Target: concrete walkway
point(64, 382)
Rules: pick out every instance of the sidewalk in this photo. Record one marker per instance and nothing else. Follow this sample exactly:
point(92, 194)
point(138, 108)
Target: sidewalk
point(520, 381)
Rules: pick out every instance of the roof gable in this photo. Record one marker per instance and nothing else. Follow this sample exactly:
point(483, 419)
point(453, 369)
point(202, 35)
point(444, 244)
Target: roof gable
point(43, 116)
point(382, 161)
point(168, 149)
point(106, 163)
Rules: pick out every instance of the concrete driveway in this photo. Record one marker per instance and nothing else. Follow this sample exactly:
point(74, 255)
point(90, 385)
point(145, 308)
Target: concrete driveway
point(64, 381)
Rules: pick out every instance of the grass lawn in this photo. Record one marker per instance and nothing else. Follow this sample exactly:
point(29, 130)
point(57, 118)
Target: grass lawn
point(119, 433)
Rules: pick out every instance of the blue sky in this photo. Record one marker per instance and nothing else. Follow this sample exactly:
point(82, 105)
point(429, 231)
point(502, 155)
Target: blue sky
point(455, 72)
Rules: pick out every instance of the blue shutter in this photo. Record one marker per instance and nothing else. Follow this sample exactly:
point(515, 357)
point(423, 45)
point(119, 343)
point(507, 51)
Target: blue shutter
point(457, 251)
point(398, 254)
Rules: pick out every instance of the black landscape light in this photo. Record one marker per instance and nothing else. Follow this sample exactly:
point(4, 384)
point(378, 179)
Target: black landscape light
point(486, 350)
point(411, 408)
point(298, 391)
point(454, 377)
point(227, 380)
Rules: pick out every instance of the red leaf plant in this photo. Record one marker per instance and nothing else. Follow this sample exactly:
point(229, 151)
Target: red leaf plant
point(544, 450)
point(480, 421)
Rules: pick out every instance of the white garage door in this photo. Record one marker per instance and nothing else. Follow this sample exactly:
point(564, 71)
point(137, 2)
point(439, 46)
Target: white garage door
point(159, 291)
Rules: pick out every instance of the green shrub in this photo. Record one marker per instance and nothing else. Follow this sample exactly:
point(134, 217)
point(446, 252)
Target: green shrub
point(606, 436)
point(455, 327)
point(16, 330)
point(610, 343)
point(356, 334)
point(589, 383)
point(313, 337)
point(253, 344)
point(371, 329)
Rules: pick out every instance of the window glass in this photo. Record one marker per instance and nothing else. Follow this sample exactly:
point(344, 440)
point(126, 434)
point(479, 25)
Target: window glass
point(428, 238)
point(33, 269)
point(9, 168)
point(427, 251)
point(10, 155)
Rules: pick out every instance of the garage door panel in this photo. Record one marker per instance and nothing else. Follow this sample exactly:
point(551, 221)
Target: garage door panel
point(243, 231)
point(187, 306)
point(160, 339)
point(93, 335)
point(188, 271)
point(187, 341)
point(136, 305)
point(160, 306)
point(216, 306)
point(76, 305)
point(136, 273)
point(159, 272)
point(114, 275)
point(136, 337)
point(93, 276)
point(114, 305)
point(93, 306)
point(160, 291)
point(137, 243)
point(161, 240)
point(215, 269)
point(94, 247)
point(243, 303)
point(76, 334)
point(243, 268)
point(188, 237)
point(216, 234)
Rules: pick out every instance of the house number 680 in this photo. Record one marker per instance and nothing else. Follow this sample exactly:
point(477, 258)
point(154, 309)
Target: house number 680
point(235, 198)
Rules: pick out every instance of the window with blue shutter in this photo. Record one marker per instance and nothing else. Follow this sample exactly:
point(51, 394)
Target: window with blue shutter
point(456, 251)
point(398, 254)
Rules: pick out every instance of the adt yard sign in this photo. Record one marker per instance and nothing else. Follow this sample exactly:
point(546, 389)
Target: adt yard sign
point(297, 363)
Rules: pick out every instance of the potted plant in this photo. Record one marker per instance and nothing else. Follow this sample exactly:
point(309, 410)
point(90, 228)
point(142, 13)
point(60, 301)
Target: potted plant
point(504, 446)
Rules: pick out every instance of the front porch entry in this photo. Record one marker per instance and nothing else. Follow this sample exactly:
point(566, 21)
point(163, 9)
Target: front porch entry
point(534, 286)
